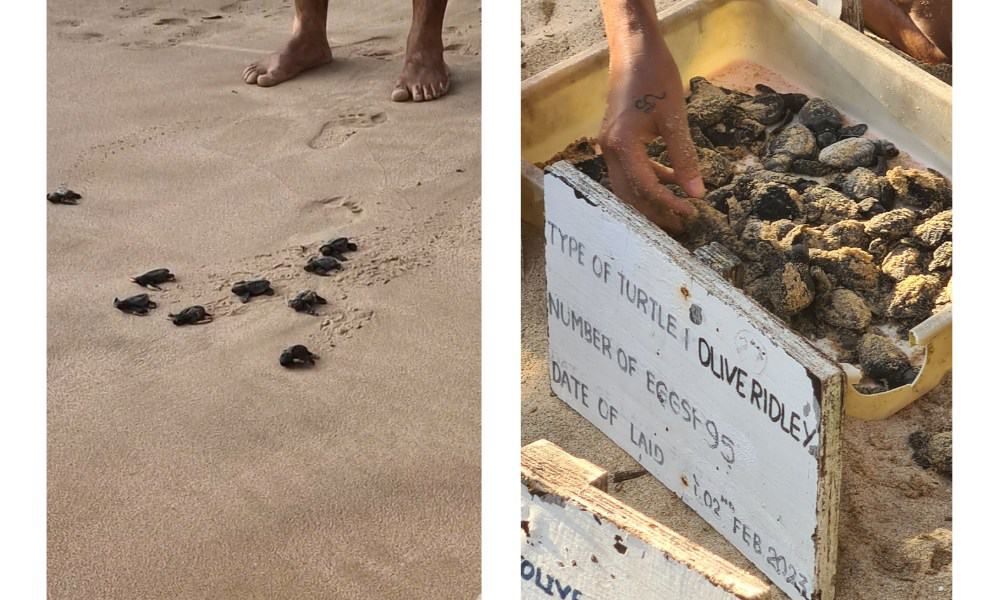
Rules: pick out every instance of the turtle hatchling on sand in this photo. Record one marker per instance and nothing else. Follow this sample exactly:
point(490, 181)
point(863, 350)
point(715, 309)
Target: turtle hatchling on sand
point(192, 315)
point(297, 355)
point(337, 247)
point(305, 302)
point(322, 265)
point(135, 305)
point(63, 195)
point(152, 279)
point(247, 289)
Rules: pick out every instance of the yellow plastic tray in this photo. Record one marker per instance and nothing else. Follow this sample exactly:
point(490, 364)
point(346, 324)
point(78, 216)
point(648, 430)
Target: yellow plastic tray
point(796, 40)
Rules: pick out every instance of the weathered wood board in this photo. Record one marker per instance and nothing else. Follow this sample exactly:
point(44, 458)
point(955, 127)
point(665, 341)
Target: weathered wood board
point(718, 399)
point(577, 542)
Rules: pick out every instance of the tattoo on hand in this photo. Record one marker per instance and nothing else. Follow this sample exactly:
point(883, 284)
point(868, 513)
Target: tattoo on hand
point(647, 102)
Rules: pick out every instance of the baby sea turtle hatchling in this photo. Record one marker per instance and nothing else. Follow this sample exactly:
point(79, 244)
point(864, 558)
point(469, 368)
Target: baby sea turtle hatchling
point(152, 279)
point(296, 356)
point(826, 122)
point(63, 195)
point(770, 107)
point(135, 305)
point(192, 315)
point(305, 302)
point(852, 152)
point(337, 247)
point(247, 289)
point(322, 265)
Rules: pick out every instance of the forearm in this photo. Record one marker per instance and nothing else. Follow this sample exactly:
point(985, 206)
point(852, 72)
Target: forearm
point(646, 100)
point(887, 19)
point(630, 26)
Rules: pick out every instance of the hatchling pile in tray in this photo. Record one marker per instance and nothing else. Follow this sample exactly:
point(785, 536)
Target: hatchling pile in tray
point(831, 230)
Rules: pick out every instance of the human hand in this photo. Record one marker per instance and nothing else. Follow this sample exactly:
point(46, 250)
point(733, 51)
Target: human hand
point(646, 100)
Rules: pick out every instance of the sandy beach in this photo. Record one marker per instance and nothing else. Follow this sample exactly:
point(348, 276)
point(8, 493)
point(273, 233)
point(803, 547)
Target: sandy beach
point(184, 462)
point(895, 539)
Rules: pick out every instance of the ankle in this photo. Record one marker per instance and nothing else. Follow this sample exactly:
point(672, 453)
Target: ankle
point(423, 55)
point(420, 40)
point(312, 38)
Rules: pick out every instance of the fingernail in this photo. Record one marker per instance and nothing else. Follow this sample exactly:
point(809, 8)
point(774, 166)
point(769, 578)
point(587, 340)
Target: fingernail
point(695, 187)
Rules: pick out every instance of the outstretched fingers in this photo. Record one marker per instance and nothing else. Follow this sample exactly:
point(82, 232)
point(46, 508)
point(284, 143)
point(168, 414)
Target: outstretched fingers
point(664, 173)
point(681, 150)
point(637, 181)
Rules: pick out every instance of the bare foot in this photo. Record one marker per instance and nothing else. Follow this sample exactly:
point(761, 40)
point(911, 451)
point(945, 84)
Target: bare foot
point(301, 53)
point(424, 77)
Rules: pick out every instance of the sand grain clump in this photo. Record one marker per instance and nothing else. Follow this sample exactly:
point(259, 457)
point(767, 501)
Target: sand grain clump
point(882, 360)
point(935, 230)
point(913, 298)
point(892, 224)
point(903, 261)
point(844, 308)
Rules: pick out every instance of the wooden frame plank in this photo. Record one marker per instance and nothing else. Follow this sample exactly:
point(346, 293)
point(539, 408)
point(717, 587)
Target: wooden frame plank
point(579, 542)
point(852, 13)
point(713, 395)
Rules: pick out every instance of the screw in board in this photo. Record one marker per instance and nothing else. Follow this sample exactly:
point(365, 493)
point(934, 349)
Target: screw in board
point(695, 314)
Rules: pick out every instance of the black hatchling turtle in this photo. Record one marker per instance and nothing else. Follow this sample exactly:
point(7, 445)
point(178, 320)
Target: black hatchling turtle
point(152, 279)
point(247, 289)
point(63, 195)
point(770, 107)
point(192, 315)
point(297, 355)
point(306, 301)
point(135, 305)
point(826, 122)
point(852, 152)
point(337, 247)
point(322, 265)
point(884, 150)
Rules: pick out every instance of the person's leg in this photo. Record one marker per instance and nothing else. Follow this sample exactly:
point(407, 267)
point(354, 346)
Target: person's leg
point(424, 76)
point(308, 47)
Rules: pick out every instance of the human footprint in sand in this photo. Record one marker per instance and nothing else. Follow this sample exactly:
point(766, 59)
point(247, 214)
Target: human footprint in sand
point(425, 75)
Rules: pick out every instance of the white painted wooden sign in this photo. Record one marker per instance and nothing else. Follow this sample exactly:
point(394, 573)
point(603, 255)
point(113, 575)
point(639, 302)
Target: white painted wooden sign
point(714, 396)
point(577, 542)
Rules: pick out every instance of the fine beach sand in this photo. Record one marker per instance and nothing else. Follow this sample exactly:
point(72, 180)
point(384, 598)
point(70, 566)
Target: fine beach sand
point(183, 461)
point(895, 520)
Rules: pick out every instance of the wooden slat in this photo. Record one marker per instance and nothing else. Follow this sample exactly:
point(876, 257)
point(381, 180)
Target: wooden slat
point(561, 480)
point(853, 14)
point(547, 461)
